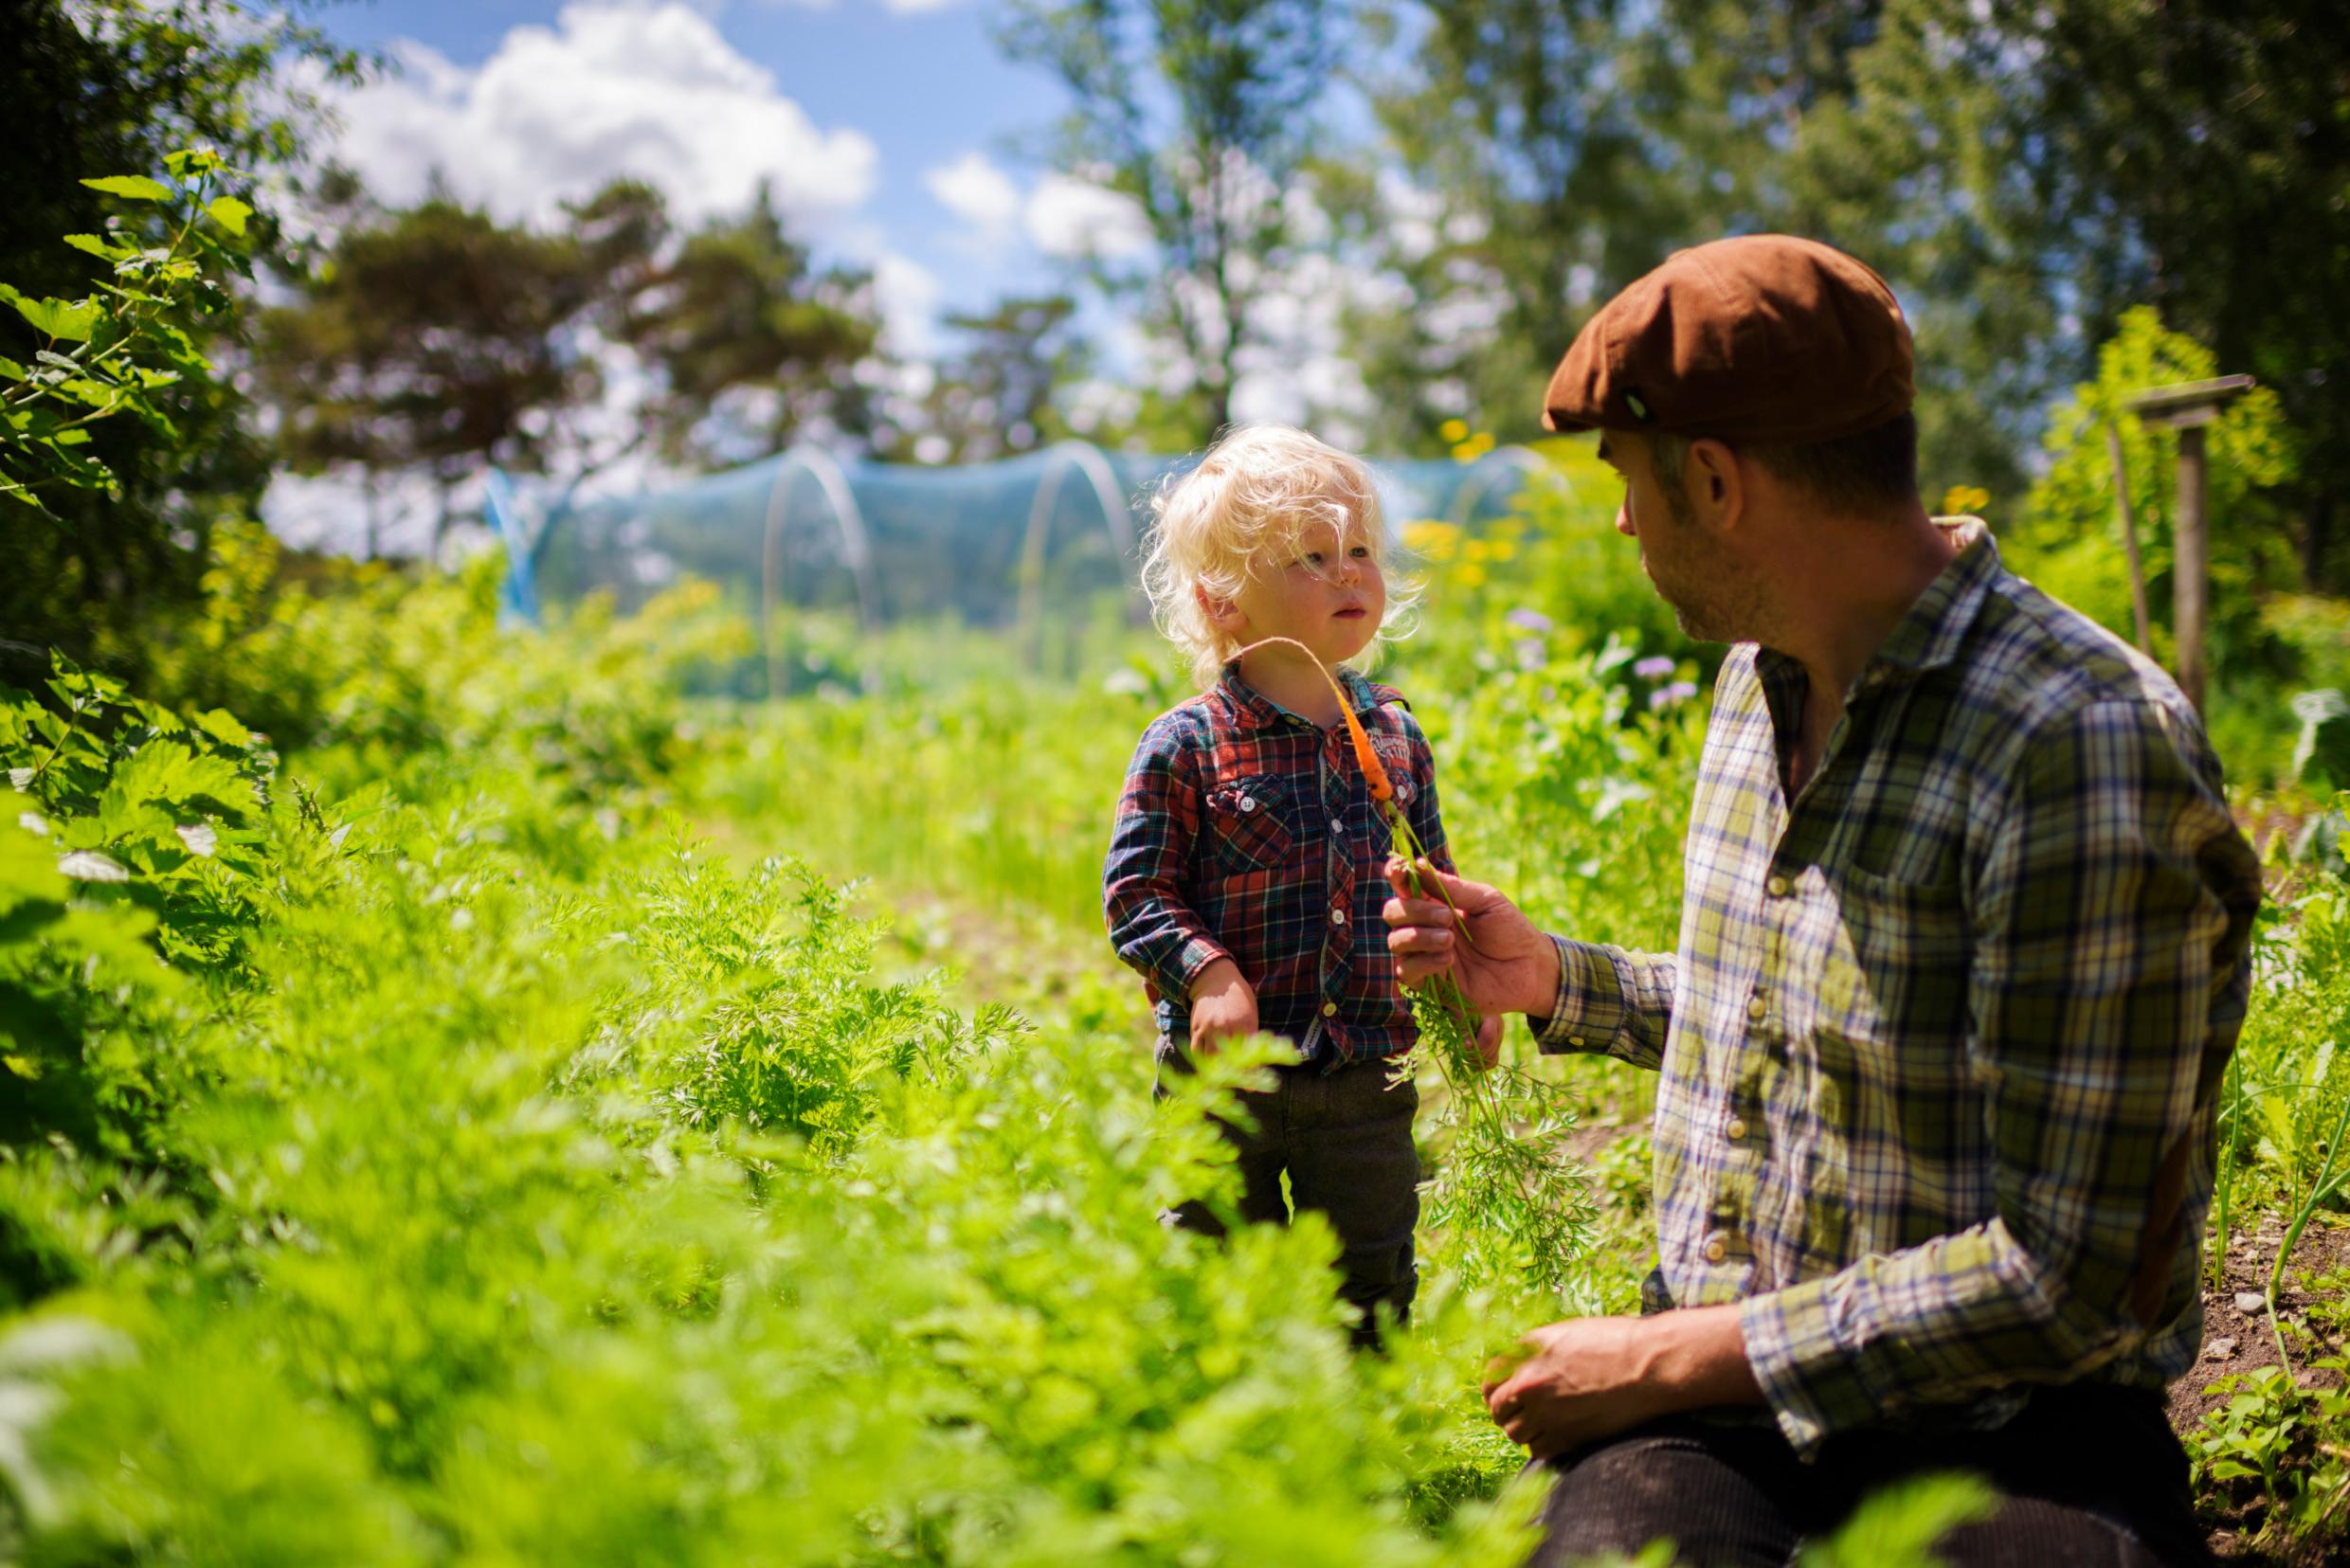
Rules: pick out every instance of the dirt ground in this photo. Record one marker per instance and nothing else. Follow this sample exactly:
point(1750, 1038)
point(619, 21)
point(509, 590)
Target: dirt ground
point(2239, 1341)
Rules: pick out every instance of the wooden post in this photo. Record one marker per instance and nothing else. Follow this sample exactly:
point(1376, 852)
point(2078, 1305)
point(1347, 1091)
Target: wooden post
point(2190, 572)
point(2187, 407)
point(2140, 615)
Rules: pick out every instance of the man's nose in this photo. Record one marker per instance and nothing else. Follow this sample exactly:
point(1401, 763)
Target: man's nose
point(1623, 520)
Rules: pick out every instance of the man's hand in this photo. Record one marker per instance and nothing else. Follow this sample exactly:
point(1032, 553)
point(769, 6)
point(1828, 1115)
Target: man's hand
point(1505, 966)
point(1488, 1042)
point(1224, 1007)
point(1591, 1377)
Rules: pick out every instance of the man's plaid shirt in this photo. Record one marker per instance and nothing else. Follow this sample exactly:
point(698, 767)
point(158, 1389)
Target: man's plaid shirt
point(1932, 1030)
point(1246, 832)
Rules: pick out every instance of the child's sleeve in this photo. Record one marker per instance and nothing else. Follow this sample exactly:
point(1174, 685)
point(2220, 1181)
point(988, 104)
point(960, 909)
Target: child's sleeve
point(1421, 810)
point(1152, 924)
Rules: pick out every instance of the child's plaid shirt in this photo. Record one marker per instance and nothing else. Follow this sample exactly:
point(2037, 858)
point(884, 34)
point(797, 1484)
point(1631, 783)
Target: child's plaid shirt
point(1246, 832)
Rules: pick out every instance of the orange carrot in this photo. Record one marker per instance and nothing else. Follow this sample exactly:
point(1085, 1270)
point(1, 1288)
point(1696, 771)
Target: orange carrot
point(1374, 771)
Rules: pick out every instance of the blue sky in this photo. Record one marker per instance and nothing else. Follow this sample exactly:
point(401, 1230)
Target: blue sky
point(862, 110)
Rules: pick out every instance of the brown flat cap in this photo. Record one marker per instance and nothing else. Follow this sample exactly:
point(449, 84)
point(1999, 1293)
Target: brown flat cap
point(1762, 338)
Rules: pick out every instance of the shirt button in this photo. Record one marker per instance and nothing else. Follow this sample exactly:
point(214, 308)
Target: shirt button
point(1248, 803)
point(1777, 887)
point(1338, 917)
point(1757, 1007)
point(1330, 1009)
point(1716, 1248)
point(1337, 826)
point(1574, 1042)
point(1736, 1128)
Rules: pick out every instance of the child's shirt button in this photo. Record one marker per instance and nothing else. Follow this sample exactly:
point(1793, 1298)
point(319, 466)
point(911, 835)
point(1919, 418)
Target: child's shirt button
point(1248, 803)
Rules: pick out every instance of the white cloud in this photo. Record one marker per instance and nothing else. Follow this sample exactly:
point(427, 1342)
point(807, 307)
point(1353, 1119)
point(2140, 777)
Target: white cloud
point(907, 292)
point(976, 190)
point(1070, 217)
point(649, 90)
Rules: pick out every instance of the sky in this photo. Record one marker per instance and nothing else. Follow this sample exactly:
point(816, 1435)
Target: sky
point(893, 133)
point(889, 129)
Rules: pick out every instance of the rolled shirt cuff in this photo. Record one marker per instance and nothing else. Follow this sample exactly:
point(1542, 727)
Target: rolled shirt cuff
point(1591, 1010)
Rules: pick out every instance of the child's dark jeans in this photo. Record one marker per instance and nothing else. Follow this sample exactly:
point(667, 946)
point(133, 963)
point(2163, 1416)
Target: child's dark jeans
point(1345, 1140)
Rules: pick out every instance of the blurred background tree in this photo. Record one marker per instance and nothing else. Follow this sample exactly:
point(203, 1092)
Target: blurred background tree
point(750, 345)
point(995, 398)
point(1202, 112)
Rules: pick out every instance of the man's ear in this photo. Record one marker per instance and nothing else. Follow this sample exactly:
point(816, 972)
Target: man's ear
point(1716, 483)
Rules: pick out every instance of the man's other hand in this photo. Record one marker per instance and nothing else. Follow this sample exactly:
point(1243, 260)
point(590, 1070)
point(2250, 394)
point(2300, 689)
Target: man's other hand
point(1591, 1377)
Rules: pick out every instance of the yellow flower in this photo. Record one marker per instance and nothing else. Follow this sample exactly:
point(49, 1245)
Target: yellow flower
point(1501, 550)
point(1963, 498)
point(1470, 576)
point(1454, 430)
point(1432, 539)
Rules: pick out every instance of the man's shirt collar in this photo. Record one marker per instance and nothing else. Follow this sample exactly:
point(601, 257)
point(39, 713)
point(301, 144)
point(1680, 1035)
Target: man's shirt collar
point(1933, 630)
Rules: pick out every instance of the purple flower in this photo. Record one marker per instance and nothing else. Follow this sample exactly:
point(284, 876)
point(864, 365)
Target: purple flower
point(1527, 619)
point(1670, 696)
point(1655, 667)
point(1533, 653)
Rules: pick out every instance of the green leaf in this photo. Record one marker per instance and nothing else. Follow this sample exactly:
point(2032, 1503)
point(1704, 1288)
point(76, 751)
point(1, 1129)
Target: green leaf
point(138, 188)
point(98, 248)
point(229, 213)
point(73, 320)
point(11, 369)
point(219, 724)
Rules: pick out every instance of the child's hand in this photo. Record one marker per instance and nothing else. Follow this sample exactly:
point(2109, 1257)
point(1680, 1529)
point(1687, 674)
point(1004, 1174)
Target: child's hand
point(1488, 1042)
point(1224, 1007)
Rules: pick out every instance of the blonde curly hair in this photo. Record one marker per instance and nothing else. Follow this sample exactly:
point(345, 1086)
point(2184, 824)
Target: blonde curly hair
point(1241, 513)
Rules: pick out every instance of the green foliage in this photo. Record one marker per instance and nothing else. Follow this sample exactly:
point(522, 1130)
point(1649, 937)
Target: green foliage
point(2073, 529)
point(2280, 1443)
point(101, 94)
point(113, 351)
point(521, 1183)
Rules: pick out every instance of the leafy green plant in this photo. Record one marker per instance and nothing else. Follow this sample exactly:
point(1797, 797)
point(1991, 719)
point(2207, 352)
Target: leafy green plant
point(111, 352)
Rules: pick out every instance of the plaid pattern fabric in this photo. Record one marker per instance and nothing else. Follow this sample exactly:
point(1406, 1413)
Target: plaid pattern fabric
point(1933, 1030)
point(1247, 832)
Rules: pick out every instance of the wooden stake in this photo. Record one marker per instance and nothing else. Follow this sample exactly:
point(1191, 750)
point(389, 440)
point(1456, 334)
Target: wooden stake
point(2139, 613)
point(2189, 570)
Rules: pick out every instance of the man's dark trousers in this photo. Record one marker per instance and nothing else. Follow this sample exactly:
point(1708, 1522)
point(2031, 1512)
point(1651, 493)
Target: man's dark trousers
point(2090, 1474)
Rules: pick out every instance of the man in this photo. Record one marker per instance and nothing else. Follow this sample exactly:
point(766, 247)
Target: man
point(1962, 956)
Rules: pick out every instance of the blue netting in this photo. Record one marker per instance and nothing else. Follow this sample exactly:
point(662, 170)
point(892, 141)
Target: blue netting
point(902, 541)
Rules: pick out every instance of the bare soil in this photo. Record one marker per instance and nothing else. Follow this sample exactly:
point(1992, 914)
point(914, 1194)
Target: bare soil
point(2237, 1341)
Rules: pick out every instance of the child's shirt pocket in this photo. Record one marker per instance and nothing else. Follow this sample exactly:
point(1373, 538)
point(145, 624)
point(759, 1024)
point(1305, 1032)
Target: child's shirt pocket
point(1250, 825)
point(1395, 755)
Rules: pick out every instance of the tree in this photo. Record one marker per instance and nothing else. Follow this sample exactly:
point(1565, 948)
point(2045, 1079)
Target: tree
point(106, 87)
point(1535, 186)
point(439, 339)
point(751, 343)
point(995, 400)
point(2037, 170)
point(1201, 113)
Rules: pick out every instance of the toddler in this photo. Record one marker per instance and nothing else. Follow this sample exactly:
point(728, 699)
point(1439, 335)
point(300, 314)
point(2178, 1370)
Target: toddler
point(1244, 879)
